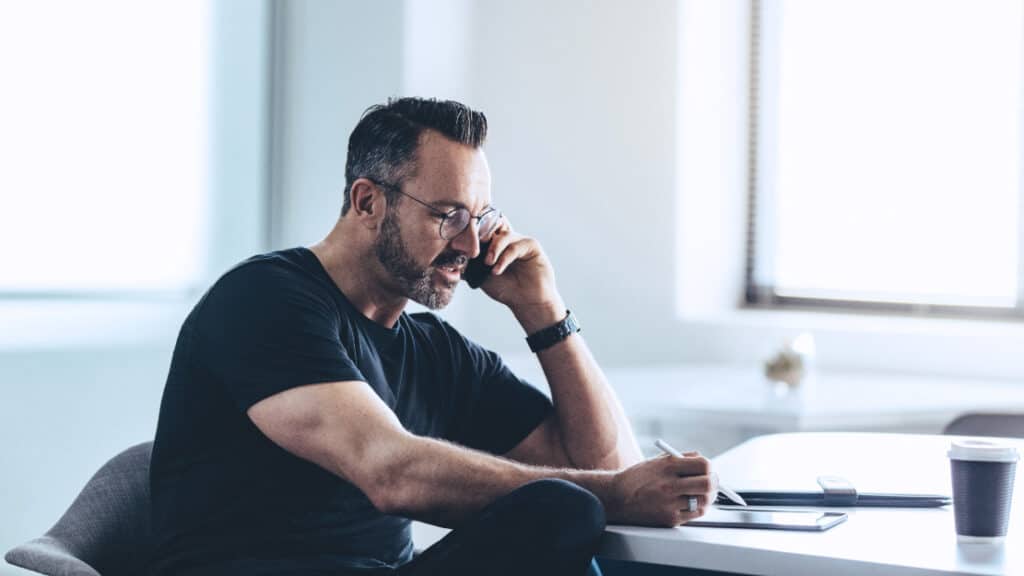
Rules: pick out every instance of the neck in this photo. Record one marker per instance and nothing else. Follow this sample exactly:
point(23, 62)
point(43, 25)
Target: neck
point(352, 265)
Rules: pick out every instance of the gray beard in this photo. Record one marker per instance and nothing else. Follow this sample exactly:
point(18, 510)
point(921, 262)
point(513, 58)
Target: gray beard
point(414, 281)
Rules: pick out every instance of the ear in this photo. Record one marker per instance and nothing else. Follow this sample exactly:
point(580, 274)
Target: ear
point(368, 203)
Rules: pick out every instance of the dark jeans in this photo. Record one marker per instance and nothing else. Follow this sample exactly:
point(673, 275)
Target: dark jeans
point(548, 527)
point(545, 527)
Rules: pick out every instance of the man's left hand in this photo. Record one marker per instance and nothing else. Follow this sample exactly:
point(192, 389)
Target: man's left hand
point(522, 278)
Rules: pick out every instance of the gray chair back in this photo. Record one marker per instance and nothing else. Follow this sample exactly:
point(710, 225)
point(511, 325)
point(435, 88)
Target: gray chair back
point(987, 424)
point(106, 530)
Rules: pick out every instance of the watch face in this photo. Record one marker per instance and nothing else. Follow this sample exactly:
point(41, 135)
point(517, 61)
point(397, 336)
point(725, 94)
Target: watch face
point(569, 326)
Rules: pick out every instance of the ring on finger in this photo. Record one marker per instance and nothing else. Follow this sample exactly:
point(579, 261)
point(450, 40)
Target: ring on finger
point(691, 504)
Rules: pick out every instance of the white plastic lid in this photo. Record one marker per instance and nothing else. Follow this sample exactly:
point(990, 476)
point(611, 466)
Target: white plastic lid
point(982, 451)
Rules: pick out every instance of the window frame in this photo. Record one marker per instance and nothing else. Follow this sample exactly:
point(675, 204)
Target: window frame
point(764, 26)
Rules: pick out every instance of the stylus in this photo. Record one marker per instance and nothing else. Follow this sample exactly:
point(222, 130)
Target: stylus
point(729, 493)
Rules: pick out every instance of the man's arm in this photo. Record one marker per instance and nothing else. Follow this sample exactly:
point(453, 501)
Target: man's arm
point(588, 428)
point(346, 429)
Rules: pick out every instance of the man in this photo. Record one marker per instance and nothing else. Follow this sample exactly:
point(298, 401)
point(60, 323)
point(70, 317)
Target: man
point(307, 418)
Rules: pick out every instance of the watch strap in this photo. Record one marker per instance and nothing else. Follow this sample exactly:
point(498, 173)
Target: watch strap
point(548, 337)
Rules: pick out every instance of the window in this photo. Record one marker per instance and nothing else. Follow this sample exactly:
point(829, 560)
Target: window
point(887, 158)
point(104, 146)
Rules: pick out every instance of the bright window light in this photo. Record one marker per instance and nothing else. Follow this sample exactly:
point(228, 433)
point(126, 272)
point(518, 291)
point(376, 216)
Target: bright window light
point(103, 145)
point(897, 157)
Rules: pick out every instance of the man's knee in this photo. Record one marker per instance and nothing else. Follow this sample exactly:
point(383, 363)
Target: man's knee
point(573, 516)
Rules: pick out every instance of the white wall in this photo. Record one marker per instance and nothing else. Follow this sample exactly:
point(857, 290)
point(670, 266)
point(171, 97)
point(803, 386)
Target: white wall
point(334, 59)
point(581, 101)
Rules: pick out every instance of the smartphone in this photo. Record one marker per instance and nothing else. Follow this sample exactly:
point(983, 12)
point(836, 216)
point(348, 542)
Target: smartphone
point(810, 520)
point(476, 271)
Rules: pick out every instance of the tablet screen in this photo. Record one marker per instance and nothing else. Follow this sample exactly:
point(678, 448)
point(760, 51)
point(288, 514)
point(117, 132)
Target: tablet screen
point(769, 519)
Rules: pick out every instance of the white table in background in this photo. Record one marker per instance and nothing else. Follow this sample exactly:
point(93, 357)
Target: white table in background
point(713, 407)
point(723, 395)
point(877, 541)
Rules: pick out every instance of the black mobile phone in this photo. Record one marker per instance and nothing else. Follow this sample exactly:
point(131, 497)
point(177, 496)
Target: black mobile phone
point(476, 271)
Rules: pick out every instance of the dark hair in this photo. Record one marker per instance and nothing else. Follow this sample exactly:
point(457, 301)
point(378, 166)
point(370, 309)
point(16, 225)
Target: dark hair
point(383, 145)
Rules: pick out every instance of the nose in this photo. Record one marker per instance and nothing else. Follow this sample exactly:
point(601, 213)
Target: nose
point(468, 241)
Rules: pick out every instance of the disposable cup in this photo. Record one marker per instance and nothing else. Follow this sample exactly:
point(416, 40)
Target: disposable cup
point(983, 473)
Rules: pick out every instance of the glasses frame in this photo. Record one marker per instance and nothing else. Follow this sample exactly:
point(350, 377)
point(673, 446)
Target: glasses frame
point(441, 213)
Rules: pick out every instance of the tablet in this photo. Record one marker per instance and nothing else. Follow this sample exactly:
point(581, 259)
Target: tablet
point(811, 520)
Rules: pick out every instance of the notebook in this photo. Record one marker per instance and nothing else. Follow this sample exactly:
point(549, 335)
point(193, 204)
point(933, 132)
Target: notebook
point(837, 491)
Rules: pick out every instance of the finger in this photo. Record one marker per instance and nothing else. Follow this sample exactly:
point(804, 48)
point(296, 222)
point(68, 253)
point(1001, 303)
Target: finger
point(514, 252)
point(691, 466)
point(684, 514)
point(499, 241)
point(501, 227)
point(693, 486)
point(504, 226)
point(699, 501)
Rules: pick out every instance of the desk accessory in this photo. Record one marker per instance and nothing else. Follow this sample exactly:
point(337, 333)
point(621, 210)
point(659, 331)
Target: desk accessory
point(837, 491)
point(808, 521)
point(983, 474)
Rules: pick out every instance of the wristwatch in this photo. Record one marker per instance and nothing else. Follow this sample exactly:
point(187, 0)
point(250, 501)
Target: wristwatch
point(548, 337)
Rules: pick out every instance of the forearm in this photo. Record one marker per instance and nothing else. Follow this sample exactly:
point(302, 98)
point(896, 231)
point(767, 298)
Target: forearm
point(345, 428)
point(444, 484)
point(594, 430)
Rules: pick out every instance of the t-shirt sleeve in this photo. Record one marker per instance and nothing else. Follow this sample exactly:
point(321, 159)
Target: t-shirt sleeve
point(263, 329)
point(496, 408)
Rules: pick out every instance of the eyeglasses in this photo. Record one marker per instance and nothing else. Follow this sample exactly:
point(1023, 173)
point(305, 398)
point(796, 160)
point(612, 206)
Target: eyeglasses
point(456, 220)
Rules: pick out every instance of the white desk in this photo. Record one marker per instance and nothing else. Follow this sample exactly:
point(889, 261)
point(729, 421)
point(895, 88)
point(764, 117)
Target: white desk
point(897, 541)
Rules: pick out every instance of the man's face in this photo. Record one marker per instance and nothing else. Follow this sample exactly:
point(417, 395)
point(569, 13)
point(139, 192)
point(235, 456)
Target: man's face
point(426, 267)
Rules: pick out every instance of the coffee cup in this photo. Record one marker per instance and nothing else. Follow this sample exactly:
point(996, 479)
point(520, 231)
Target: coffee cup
point(983, 475)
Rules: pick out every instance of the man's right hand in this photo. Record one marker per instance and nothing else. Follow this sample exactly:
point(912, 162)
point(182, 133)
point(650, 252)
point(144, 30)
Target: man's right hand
point(656, 492)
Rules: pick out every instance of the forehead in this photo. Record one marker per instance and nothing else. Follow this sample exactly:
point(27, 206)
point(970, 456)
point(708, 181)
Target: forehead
point(450, 174)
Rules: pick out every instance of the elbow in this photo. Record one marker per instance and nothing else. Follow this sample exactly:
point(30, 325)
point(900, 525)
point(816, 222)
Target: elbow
point(622, 458)
point(615, 459)
point(388, 497)
point(594, 455)
point(387, 481)
point(385, 501)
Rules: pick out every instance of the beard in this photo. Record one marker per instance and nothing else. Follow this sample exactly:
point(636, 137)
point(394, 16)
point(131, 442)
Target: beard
point(415, 281)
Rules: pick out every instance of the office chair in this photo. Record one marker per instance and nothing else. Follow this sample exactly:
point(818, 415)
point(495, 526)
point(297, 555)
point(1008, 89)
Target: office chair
point(987, 424)
point(106, 529)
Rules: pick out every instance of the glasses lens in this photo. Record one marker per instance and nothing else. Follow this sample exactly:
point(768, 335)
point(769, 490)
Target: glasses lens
point(454, 223)
point(489, 223)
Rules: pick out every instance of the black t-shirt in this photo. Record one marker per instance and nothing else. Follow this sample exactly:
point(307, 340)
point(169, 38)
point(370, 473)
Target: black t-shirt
point(227, 499)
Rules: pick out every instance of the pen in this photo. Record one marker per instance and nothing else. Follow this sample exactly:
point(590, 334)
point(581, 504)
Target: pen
point(729, 493)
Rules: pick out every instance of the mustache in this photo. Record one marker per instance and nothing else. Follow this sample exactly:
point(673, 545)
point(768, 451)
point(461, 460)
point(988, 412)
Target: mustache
point(451, 259)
